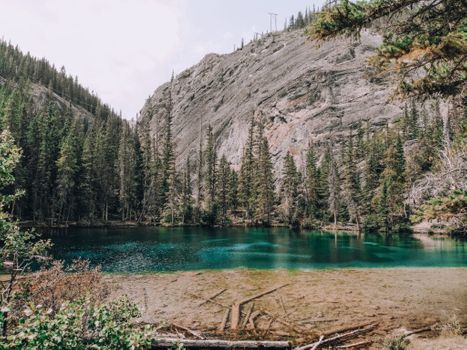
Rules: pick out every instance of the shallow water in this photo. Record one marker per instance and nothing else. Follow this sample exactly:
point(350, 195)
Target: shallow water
point(146, 249)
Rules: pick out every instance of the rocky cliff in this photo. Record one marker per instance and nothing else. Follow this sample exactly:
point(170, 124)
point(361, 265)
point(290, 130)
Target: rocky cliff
point(302, 91)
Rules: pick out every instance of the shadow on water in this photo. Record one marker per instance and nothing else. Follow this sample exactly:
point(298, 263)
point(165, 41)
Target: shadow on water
point(146, 249)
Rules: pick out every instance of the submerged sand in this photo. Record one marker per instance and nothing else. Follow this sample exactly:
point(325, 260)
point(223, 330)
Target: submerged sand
point(313, 302)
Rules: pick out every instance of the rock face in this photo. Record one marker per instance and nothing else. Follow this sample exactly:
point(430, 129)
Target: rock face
point(301, 91)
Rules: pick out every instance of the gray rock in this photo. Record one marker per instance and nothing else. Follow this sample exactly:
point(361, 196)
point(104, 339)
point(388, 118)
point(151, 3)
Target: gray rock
point(303, 91)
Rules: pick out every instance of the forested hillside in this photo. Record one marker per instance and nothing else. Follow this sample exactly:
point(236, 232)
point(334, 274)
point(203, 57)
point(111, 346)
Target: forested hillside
point(71, 143)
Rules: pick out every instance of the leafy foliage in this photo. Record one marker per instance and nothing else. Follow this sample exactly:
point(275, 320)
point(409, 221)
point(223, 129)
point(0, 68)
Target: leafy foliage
point(78, 325)
point(424, 41)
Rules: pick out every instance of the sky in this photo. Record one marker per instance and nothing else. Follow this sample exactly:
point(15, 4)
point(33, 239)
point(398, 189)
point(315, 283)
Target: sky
point(124, 49)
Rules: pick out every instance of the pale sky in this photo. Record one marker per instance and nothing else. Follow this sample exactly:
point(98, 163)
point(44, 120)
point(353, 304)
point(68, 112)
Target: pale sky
point(124, 49)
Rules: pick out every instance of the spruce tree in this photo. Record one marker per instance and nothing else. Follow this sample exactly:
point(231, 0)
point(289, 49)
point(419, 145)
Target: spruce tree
point(211, 177)
point(200, 184)
point(334, 199)
point(290, 183)
point(187, 200)
point(352, 190)
point(67, 170)
point(127, 173)
point(247, 174)
point(233, 190)
point(311, 184)
point(222, 193)
point(264, 181)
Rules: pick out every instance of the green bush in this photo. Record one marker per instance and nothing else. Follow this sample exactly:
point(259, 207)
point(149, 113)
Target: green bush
point(78, 326)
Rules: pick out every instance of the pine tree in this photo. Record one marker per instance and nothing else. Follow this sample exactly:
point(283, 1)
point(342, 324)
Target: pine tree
point(87, 198)
point(290, 183)
point(68, 164)
point(392, 186)
point(264, 182)
point(223, 184)
point(200, 184)
point(127, 173)
point(167, 162)
point(211, 177)
point(187, 201)
point(247, 174)
point(233, 190)
point(334, 200)
point(373, 170)
point(311, 184)
point(352, 190)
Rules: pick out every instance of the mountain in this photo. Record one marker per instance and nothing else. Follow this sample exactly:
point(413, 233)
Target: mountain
point(300, 90)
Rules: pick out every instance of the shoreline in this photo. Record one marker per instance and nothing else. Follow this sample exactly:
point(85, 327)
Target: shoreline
point(423, 228)
point(310, 302)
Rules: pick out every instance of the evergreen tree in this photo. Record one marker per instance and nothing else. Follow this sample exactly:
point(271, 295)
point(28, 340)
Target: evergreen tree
point(352, 190)
point(311, 184)
point(334, 200)
point(247, 174)
point(87, 188)
point(233, 190)
point(68, 164)
point(392, 187)
point(211, 177)
point(187, 201)
point(167, 162)
point(290, 183)
point(200, 183)
point(223, 184)
point(127, 173)
point(264, 183)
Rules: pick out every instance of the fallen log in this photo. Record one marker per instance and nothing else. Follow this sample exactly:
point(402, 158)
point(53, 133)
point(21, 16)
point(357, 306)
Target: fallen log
point(235, 316)
point(420, 330)
point(224, 320)
point(247, 316)
point(188, 330)
point(337, 338)
point(356, 345)
point(236, 312)
point(212, 297)
point(259, 295)
point(318, 343)
point(169, 343)
point(251, 320)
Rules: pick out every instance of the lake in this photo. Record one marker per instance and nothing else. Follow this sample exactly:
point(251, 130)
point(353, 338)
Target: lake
point(147, 249)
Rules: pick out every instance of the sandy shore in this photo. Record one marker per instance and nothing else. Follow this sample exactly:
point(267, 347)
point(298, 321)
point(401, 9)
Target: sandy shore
point(314, 301)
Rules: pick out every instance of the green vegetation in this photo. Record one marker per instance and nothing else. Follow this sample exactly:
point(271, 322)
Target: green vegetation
point(51, 309)
point(424, 41)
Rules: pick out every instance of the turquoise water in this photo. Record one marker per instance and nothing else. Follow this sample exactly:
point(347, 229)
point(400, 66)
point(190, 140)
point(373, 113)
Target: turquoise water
point(173, 249)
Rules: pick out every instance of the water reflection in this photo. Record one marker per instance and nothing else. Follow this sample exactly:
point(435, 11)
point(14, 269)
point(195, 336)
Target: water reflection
point(171, 249)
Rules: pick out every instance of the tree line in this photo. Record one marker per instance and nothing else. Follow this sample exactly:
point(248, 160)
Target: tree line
point(97, 168)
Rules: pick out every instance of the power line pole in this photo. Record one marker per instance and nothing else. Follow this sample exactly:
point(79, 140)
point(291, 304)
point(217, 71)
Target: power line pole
point(270, 21)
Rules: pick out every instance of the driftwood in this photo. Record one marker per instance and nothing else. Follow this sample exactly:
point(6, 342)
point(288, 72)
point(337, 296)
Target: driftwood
point(192, 332)
point(318, 320)
point(420, 330)
point(236, 312)
point(318, 343)
point(283, 306)
point(251, 320)
point(168, 343)
point(247, 316)
point(356, 345)
point(225, 319)
point(337, 338)
point(212, 297)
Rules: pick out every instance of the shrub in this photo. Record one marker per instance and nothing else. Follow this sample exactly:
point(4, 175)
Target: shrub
point(79, 325)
